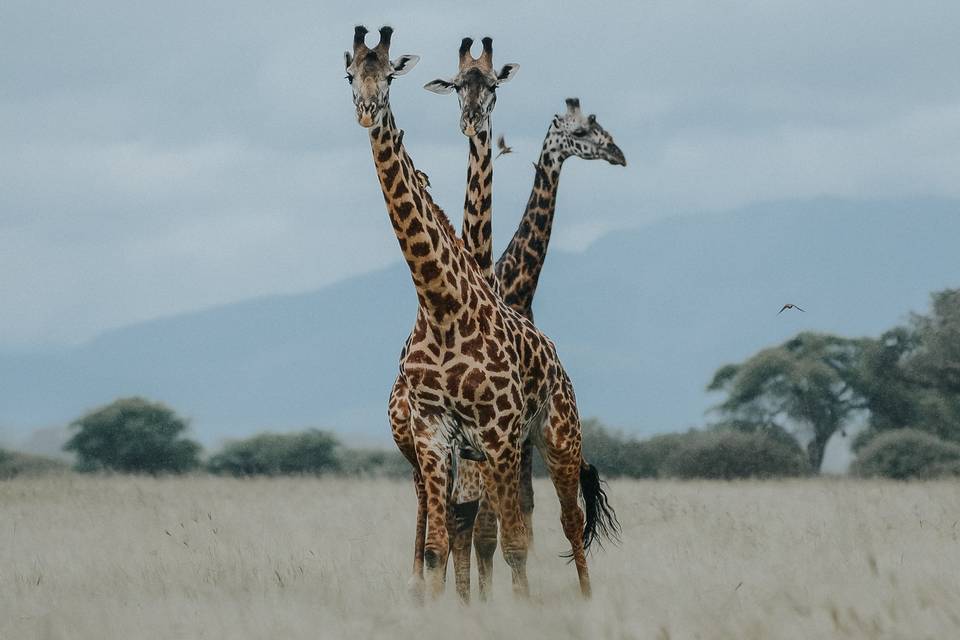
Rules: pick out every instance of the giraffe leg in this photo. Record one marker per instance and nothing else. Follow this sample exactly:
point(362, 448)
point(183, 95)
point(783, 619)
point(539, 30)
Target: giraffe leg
point(433, 456)
point(561, 442)
point(526, 489)
point(461, 516)
point(460, 527)
point(399, 415)
point(502, 484)
point(485, 544)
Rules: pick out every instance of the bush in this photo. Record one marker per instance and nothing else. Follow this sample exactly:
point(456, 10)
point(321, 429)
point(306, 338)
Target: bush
point(908, 453)
point(645, 458)
point(728, 454)
point(13, 464)
point(378, 463)
point(311, 452)
point(133, 435)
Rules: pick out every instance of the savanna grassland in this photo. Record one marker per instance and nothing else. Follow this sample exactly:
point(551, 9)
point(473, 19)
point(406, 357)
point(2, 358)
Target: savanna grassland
point(204, 557)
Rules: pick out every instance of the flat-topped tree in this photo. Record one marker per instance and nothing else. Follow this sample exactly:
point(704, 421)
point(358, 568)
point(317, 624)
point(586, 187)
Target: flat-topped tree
point(476, 370)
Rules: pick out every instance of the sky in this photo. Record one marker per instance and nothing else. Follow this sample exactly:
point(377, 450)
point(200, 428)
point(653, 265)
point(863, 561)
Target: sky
point(158, 158)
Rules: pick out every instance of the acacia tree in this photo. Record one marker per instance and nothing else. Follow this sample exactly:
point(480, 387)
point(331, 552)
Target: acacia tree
point(133, 435)
point(936, 361)
point(809, 386)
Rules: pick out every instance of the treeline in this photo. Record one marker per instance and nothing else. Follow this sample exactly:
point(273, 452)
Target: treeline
point(781, 407)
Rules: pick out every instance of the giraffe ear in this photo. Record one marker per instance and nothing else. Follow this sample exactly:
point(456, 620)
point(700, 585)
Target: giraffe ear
point(347, 59)
point(439, 86)
point(507, 73)
point(403, 64)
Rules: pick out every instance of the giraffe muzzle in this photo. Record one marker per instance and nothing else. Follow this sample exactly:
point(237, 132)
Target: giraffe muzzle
point(615, 155)
point(366, 110)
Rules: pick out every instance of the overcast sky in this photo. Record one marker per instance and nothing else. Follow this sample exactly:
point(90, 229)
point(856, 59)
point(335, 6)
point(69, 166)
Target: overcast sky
point(161, 157)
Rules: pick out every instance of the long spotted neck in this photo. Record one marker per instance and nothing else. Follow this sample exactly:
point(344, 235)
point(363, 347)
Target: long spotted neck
point(427, 240)
point(477, 207)
point(518, 269)
point(477, 227)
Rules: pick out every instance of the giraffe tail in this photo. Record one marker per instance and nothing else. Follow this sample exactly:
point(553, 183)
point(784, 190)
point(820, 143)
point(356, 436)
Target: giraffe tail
point(601, 520)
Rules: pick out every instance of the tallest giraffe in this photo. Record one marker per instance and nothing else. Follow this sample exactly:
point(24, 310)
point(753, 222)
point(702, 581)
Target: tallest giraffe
point(476, 369)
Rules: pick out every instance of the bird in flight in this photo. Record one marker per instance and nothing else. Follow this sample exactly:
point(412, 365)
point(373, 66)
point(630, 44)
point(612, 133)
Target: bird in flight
point(502, 145)
point(789, 306)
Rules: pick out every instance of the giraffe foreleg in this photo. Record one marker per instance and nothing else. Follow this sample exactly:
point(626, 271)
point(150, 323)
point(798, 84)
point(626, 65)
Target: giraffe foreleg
point(399, 414)
point(433, 456)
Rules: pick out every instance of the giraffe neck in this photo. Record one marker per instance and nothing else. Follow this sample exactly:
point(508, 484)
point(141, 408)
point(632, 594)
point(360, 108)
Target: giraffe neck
point(427, 239)
point(477, 228)
point(518, 269)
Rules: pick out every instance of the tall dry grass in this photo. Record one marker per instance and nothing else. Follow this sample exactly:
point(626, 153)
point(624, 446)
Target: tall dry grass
point(85, 557)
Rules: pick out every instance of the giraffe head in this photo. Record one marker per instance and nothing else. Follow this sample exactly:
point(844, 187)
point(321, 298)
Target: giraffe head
point(476, 83)
point(582, 136)
point(370, 72)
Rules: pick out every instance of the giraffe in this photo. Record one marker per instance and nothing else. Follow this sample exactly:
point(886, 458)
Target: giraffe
point(476, 83)
point(475, 369)
point(572, 134)
point(518, 272)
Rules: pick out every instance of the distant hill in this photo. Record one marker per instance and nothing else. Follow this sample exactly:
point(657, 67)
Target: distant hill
point(641, 319)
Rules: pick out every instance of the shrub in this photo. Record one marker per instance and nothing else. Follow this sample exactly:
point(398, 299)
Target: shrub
point(133, 435)
point(13, 464)
point(908, 453)
point(386, 463)
point(311, 451)
point(728, 454)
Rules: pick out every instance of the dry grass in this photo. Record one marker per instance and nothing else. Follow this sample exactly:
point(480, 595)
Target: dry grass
point(304, 558)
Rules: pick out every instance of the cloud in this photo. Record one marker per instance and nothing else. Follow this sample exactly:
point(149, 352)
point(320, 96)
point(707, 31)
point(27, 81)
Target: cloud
point(162, 158)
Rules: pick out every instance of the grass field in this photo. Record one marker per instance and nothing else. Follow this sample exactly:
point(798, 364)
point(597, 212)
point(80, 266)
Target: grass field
point(202, 557)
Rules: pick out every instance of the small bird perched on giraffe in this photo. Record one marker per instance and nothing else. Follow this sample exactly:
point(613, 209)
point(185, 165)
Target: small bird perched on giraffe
point(502, 145)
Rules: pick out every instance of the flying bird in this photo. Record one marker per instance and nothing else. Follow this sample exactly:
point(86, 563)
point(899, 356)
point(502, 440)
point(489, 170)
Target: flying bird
point(789, 306)
point(502, 145)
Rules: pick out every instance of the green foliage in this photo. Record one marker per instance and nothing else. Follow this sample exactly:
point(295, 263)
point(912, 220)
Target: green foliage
point(377, 463)
point(726, 454)
point(936, 362)
point(14, 463)
point(133, 435)
point(617, 455)
point(908, 453)
point(808, 383)
point(307, 452)
point(910, 376)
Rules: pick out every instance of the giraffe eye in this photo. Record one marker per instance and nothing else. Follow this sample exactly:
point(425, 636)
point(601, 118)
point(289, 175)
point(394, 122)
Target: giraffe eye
point(349, 78)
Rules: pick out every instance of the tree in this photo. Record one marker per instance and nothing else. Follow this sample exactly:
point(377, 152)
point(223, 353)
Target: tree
point(727, 454)
point(808, 385)
point(910, 377)
point(133, 435)
point(311, 451)
point(936, 362)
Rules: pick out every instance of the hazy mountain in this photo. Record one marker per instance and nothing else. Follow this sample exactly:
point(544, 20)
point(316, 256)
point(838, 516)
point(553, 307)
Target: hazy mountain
point(641, 319)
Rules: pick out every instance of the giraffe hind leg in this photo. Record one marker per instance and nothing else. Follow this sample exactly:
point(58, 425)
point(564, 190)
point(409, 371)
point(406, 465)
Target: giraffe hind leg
point(464, 503)
point(485, 545)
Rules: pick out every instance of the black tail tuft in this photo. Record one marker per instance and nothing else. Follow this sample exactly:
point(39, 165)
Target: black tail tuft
point(600, 517)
